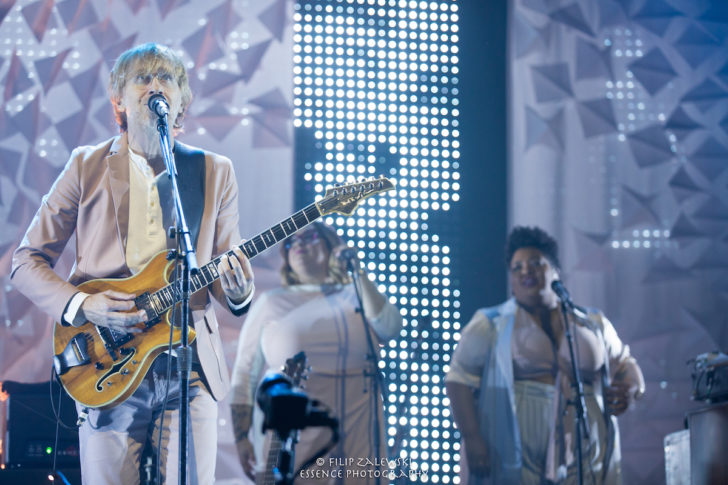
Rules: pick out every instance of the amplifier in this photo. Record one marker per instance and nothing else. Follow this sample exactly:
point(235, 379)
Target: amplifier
point(29, 440)
point(677, 458)
point(710, 377)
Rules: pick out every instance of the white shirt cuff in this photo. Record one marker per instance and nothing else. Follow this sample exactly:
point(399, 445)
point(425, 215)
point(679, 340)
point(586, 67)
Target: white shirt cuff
point(73, 306)
point(239, 306)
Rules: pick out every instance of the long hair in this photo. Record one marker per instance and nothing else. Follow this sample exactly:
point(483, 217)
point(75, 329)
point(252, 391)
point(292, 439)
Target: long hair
point(331, 240)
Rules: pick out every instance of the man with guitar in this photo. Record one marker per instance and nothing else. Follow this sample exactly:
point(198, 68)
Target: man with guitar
point(115, 198)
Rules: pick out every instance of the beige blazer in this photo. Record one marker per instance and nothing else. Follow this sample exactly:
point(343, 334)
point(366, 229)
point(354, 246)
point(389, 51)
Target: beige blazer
point(90, 199)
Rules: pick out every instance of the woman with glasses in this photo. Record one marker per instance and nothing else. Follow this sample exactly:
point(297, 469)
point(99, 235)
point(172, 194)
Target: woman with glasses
point(510, 385)
point(315, 311)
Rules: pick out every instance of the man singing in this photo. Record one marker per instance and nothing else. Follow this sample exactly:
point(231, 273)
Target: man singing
point(115, 197)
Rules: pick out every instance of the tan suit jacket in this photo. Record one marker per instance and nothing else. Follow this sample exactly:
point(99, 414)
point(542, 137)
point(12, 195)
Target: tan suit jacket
point(91, 199)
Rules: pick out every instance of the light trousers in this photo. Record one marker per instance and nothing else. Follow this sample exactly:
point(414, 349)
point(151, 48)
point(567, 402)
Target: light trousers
point(112, 440)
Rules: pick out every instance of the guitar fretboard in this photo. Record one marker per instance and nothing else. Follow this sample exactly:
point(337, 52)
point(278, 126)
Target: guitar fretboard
point(164, 298)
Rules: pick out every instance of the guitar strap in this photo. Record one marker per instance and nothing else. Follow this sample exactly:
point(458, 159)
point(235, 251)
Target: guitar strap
point(191, 180)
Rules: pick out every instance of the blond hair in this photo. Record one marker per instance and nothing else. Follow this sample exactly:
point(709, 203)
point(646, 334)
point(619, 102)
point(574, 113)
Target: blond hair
point(151, 57)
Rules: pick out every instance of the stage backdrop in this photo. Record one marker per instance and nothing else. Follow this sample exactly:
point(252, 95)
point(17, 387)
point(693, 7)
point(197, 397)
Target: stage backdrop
point(619, 147)
point(55, 58)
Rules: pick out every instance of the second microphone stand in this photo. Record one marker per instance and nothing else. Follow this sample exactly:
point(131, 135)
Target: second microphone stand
point(582, 424)
point(373, 357)
point(186, 257)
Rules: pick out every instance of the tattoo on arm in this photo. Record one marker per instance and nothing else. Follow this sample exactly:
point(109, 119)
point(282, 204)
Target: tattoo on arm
point(242, 416)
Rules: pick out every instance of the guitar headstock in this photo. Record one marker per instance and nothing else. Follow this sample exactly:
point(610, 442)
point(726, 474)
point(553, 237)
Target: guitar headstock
point(297, 368)
point(345, 198)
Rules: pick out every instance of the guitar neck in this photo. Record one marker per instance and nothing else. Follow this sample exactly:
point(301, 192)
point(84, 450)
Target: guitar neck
point(169, 295)
point(268, 477)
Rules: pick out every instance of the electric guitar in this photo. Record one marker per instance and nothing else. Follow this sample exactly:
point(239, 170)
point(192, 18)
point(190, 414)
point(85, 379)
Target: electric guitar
point(296, 368)
point(100, 367)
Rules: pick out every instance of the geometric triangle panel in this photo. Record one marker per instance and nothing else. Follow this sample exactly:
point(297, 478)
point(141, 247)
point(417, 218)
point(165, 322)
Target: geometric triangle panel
point(75, 130)
point(216, 80)
point(111, 52)
point(39, 172)
point(715, 19)
point(712, 209)
point(636, 209)
point(592, 62)
point(31, 121)
point(526, 36)
point(551, 82)
point(650, 146)
point(684, 229)
point(104, 34)
point(77, 15)
point(217, 121)
point(695, 45)
point(168, 6)
point(271, 129)
point(705, 95)
point(655, 16)
point(543, 131)
point(10, 163)
point(274, 18)
point(85, 83)
point(683, 185)
point(249, 59)
point(722, 75)
point(681, 123)
point(17, 79)
point(724, 123)
point(5, 7)
point(653, 70)
point(609, 14)
point(224, 18)
point(597, 117)
point(38, 15)
point(572, 16)
point(711, 158)
point(272, 100)
point(203, 46)
point(50, 69)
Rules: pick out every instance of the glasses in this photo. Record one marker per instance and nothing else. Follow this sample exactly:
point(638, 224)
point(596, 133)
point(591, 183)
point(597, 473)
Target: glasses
point(310, 237)
point(532, 264)
point(164, 77)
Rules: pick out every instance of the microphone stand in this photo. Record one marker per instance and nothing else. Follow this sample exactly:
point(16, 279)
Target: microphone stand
point(186, 256)
point(283, 472)
point(579, 403)
point(373, 357)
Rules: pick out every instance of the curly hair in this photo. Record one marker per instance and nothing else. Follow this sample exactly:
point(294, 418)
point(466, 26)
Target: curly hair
point(332, 240)
point(150, 56)
point(532, 237)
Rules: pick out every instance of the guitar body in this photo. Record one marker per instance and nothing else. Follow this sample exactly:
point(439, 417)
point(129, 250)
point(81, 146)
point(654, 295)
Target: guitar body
point(112, 376)
point(100, 367)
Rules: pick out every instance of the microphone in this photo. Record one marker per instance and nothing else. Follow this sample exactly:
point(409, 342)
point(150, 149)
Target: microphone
point(158, 104)
point(561, 292)
point(348, 256)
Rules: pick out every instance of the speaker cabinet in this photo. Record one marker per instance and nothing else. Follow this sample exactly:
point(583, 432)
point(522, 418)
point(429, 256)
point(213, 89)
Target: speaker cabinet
point(708, 445)
point(29, 440)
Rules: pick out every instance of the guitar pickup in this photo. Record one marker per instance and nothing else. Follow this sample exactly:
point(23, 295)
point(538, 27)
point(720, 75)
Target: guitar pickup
point(75, 354)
